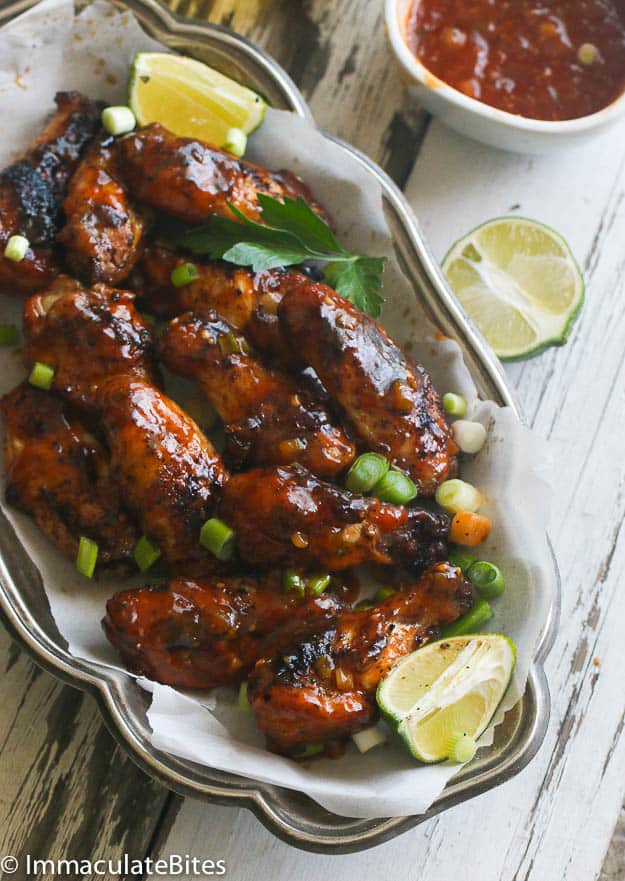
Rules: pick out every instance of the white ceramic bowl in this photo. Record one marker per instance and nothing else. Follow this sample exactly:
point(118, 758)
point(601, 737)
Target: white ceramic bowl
point(480, 121)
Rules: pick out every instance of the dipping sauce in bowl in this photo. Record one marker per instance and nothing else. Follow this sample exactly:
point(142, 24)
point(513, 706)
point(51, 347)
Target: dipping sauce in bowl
point(541, 59)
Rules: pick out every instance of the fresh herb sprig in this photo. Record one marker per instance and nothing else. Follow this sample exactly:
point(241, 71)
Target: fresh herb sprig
point(290, 233)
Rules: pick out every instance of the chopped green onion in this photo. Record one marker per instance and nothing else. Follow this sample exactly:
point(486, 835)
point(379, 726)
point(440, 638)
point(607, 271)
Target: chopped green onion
point(470, 436)
point(146, 553)
point(368, 738)
point(87, 556)
point(461, 748)
point(41, 376)
point(487, 579)
point(383, 593)
point(16, 248)
point(306, 750)
point(292, 580)
point(243, 700)
point(457, 495)
point(365, 472)
point(318, 584)
point(217, 537)
point(471, 622)
point(588, 53)
point(184, 274)
point(8, 334)
point(236, 141)
point(118, 120)
point(455, 405)
point(395, 487)
point(231, 344)
point(462, 559)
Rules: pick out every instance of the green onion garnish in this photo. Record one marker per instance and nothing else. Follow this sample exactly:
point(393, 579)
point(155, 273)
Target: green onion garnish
point(292, 580)
point(471, 622)
point(395, 487)
point(455, 405)
point(8, 335)
point(365, 472)
point(118, 120)
point(236, 142)
point(217, 537)
point(318, 584)
point(461, 748)
point(487, 579)
point(383, 593)
point(16, 248)
point(87, 556)
point(184, 274)
point(41, 376)
point(462, 559)
point(243, 700)
point(146, 553)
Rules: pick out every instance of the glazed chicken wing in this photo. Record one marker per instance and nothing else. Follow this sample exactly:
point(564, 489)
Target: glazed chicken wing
point(60, 474)
point(286, 516)
point(268, 420)
point(191, 180)
point(103, 233)
point(31, 192)
point(203, 634)
point(389, 401)
point(86, 335)
point(323, 689)
point(167, 472)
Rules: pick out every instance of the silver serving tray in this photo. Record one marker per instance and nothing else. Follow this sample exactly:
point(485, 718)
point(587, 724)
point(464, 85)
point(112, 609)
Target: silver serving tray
point(24, 608)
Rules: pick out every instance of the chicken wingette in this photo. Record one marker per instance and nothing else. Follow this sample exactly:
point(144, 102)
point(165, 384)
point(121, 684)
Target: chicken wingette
point(268, 419)
point(32, 191)
point(103, 232)
point(322, 689)
point(389, 401)
point(60, 474)
point(208, 633)
point(287, 516)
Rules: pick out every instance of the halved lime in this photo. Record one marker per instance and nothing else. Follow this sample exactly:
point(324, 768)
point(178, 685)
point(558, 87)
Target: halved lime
point(191, 99)
point(518, 280)
point(447, 690)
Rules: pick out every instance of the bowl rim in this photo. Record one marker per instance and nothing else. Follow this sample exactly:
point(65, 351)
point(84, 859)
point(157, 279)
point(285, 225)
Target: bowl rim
point(413, 66)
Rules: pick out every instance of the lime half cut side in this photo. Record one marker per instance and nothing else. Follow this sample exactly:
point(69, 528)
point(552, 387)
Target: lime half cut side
point(447, 690)
point(191, 99)
point(518, 281)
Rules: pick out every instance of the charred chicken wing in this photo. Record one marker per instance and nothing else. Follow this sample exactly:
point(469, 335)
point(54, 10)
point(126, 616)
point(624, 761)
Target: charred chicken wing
point(60, 474)
point(389, 401)
point(287, 516)
point(32, 190)
point(192, 180)
point(268, 420)
point(203, 634)
point(86, 335)
point(323, 689)
point(167, 472)
point(103, 233)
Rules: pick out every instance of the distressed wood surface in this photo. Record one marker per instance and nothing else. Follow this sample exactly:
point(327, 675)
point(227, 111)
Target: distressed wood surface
point(70, 789)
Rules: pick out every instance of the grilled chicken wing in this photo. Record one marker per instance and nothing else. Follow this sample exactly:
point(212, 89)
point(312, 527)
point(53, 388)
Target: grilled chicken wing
point(203, 634)
point(268, 420)
point(59, 473)
point(389, 401)
point(287, 516)
point(167, 472)
point(86, 335)
point(31, 192)
point(103, 233)
point(191, 180)
point(323, 689)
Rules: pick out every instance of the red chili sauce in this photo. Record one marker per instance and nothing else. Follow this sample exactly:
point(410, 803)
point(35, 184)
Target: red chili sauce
point(542, 59)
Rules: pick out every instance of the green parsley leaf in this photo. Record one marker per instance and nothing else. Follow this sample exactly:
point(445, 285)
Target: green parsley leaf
point(291, 233)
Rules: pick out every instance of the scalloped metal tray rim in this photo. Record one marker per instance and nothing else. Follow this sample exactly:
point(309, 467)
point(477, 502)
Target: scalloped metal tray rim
point(292, 817)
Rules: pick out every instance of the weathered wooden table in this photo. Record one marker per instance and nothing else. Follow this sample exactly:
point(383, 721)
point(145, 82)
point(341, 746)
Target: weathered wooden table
point(66, 789)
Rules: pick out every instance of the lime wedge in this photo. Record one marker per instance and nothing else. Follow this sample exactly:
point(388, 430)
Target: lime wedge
point(519, 282)
point(191, 99)
point(447, 691)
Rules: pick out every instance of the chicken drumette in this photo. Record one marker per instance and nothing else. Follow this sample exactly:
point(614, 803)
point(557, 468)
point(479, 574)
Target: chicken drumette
point(286, 516)
point(32, 190)
point(60, 474)
point(322, 689)
point(268, 419)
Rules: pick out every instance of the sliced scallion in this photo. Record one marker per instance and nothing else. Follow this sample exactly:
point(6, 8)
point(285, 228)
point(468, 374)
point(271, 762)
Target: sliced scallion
point(396, 488)
point(87, 556)
point(217, 537)
point(365, 472)
point(16, 248)
point(184, 274)
point(146, 553)
point(41, 376)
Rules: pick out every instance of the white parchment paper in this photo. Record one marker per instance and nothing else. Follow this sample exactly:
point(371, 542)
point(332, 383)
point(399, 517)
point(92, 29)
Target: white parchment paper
point(48, 49)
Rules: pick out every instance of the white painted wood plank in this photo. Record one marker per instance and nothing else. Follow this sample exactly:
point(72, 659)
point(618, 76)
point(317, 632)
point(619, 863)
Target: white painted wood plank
point(555, 820)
